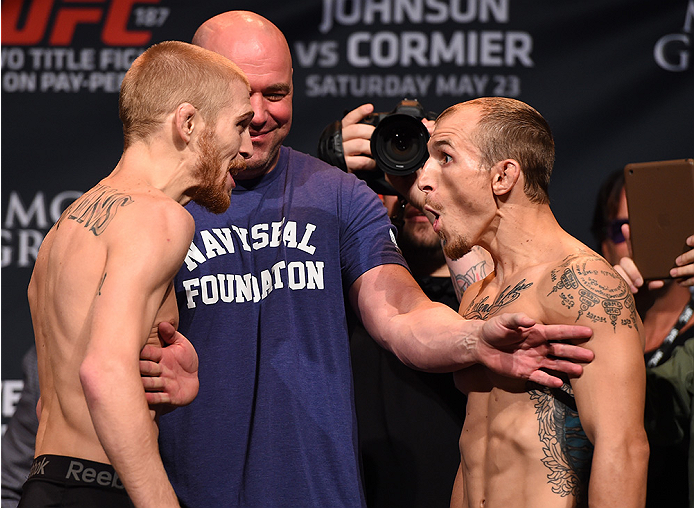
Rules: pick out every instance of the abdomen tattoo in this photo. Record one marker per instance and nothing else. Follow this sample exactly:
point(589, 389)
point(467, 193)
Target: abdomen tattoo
point(567, 451)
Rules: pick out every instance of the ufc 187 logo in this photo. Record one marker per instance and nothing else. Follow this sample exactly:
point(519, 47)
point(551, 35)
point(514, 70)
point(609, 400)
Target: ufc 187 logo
point(30, 22)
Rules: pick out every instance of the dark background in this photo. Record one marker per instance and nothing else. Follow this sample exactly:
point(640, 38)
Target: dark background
point(593, 73)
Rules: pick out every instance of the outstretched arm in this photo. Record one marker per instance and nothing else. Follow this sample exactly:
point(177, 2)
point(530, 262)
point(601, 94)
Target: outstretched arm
point(170, 373)
point(430, 336)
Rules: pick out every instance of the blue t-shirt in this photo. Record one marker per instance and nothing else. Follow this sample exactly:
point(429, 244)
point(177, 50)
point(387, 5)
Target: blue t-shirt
point(262, 296)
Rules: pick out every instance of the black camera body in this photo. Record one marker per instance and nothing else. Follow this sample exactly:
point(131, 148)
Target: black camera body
point(398, 144)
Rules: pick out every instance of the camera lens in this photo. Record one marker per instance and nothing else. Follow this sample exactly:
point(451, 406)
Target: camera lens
point(399, 144)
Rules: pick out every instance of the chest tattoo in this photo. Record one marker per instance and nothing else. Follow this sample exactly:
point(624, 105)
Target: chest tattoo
point(482, 309)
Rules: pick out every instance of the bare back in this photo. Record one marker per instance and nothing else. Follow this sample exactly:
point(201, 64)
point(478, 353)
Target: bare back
point(91, 293)
point(524, 445)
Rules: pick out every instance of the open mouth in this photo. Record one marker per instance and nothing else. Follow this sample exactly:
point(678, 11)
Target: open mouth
point(432, 211)
point(436, 215)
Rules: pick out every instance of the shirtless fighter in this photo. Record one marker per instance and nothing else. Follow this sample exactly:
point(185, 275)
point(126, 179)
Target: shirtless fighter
point(102, 281)
point(523, 445)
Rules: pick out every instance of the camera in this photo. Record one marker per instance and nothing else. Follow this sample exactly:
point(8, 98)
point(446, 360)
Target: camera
point(398, 144)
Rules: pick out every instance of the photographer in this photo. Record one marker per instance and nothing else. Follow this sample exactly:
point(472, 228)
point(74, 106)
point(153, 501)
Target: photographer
point(369, 144)
point(409, 421)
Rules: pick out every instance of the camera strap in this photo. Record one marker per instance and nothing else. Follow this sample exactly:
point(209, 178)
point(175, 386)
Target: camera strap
point(674, 338)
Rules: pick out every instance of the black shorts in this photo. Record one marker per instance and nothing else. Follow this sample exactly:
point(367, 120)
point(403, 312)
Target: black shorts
point(58, 481)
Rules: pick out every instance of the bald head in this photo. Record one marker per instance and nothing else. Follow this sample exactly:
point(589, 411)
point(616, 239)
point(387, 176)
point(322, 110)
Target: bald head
point(240, 32)
point(260, 49)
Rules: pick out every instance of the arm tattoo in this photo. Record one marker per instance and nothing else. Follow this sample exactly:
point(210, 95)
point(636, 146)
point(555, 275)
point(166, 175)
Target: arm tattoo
point(97, 208)
point(576, 283)
point(567, 451)
point(484, 310)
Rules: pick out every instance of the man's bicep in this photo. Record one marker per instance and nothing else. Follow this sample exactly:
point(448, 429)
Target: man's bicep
point(124, 311)
point(383, 292)
point(610, 394)
point(585, 290)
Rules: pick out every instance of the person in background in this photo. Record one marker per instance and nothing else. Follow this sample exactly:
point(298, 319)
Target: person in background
point(265, 291)
point(666, 308)
point(19, 438)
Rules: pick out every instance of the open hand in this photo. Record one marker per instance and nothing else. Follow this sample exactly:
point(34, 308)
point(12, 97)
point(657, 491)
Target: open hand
point(683, 273)
point(515, 345)
point(170, 373)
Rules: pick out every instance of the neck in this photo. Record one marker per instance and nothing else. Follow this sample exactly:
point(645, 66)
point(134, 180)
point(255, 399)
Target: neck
point(144, 165)
point(523, 236)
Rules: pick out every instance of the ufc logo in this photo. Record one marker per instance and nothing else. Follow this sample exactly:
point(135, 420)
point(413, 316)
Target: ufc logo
point(35, 16)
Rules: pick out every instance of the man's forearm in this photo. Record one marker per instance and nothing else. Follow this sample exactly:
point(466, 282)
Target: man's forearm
point(618, 473)
point(127, 433)
point(431, 336)
point(434, 338)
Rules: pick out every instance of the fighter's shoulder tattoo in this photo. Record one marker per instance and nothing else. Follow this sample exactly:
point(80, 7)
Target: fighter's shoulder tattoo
point(96, 208)
point(586, 284)
point(484, 309)
point(567, 450)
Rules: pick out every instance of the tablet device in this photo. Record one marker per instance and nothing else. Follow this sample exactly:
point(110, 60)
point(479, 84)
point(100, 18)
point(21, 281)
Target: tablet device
point(660, 199)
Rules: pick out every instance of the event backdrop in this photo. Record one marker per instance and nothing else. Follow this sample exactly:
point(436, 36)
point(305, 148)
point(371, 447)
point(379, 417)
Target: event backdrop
point(612, 77)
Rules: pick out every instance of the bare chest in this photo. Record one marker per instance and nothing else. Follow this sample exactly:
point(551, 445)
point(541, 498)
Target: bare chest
point(520, 295)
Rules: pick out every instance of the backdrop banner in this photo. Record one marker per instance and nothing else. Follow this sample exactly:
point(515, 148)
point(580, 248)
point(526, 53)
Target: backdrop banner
point(612, 77)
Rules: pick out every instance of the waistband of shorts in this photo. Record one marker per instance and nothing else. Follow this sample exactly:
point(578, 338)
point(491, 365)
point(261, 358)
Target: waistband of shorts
point(75, 472)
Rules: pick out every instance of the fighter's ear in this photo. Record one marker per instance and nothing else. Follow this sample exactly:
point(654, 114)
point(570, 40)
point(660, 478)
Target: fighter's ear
point(505, 174)
point(186, 120)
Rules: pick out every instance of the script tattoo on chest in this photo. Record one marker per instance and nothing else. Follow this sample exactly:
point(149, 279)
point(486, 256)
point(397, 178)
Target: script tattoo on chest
point(97, 208)
point(482, 309)
point(609, 299)
point(567, 450)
